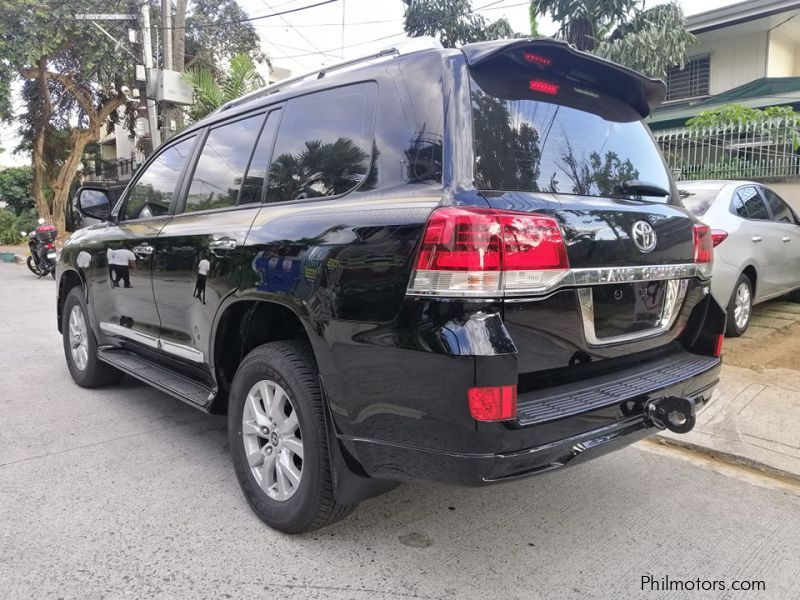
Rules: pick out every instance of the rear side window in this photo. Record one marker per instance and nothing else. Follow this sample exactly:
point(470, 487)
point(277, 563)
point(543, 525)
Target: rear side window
point(220, 170)
point(754, 207)
point(536, 136)
point(324, 145)
point(780, 210)
point(153, 193)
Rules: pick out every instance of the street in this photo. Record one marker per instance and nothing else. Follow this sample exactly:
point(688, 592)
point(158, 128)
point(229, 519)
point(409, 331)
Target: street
point(125, 492)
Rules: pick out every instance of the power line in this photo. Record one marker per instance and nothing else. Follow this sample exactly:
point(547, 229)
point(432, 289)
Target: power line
point(300, 33)
point(249, 19)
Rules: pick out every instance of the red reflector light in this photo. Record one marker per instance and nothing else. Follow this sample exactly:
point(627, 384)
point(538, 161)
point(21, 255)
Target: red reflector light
point(497, 403)
point(718, 345)
point(543, 87)
point(537, 59)
point(476, 239)
point(718, 236)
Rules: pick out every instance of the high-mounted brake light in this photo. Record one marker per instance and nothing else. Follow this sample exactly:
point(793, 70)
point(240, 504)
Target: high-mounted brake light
point(537, 59)
point(544, 87)
point(468, 251)
point(718, 236)
point(703, 249)
point(497, 403)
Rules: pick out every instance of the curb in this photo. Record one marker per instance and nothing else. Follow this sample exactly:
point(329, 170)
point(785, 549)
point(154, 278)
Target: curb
point(728, 457)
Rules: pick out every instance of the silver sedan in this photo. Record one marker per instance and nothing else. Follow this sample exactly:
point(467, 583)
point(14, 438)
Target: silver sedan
point(756, 244)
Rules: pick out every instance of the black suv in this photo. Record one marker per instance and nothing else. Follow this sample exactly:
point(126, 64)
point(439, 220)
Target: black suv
point(456, 265)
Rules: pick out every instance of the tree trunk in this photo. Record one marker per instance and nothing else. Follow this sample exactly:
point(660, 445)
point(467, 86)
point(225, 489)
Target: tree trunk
point(179, 36)
point(37, 152)
point(62, 183)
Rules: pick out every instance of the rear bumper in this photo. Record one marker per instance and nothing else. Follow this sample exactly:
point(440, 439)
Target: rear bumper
point(602, 430)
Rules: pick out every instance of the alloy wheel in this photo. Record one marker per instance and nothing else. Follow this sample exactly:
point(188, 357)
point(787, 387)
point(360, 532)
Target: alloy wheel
point(742, 305)
point(272, 439)
point(78, 338)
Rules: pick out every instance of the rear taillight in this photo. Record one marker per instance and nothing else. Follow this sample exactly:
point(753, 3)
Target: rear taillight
point(543, 87)
point(497, 403)
point(718, 236)
point(703, 249)
point(469, 251)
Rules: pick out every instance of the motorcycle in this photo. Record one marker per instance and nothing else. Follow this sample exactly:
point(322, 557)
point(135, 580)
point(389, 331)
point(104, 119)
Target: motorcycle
point(41, 243)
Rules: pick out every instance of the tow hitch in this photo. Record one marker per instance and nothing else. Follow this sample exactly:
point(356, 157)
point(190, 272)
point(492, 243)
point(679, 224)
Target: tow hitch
point(675, 413)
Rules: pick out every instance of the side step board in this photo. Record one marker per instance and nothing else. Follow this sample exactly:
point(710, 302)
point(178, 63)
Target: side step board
point(159, 377)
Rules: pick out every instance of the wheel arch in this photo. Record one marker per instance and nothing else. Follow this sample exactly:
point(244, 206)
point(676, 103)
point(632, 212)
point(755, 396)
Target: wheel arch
point(69, 279)
point(752, 274)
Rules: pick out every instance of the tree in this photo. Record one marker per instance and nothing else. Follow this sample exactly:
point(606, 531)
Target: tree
point(649, 40)
point(16, 189)
point(453, 22)
point(73, 73)
point(212, 91)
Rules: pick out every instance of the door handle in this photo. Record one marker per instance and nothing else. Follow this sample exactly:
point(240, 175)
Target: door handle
point(143, 249)
point(223, 244)
point(786, 238)
point(756, 239)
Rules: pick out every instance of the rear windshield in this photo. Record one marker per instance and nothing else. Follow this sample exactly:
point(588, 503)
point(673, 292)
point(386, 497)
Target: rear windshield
point(698, 200)
point(557, 142)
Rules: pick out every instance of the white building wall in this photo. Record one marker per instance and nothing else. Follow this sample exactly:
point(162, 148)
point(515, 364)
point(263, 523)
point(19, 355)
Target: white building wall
point(783, 49)
point(736, 59)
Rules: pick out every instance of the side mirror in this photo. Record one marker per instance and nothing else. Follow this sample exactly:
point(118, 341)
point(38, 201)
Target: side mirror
point(23, 233)
point(94, 204)
point(41, 221)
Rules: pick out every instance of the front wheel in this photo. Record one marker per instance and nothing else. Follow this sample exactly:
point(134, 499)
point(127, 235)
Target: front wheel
point(276, 426)
point(740, 307)
point(34, 268)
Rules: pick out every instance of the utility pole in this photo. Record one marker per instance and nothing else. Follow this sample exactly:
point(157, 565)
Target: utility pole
point(147, 52)
point(166, 28)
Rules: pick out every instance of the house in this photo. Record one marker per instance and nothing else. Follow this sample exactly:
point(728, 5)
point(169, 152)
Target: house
point(747, 53)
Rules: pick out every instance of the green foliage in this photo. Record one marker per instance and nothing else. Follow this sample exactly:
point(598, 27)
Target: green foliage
point(731, 115)
point(649, 40)
point(16, 189)
point(11, 225)
point(212, 91)
point(453, 22)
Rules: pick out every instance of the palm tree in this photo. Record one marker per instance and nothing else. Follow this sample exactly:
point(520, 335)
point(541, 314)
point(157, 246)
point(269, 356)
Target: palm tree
point(212, 90)
point(650, 40)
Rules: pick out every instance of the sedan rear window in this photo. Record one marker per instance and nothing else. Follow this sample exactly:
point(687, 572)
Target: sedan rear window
point(545, 139)
point(697, 199)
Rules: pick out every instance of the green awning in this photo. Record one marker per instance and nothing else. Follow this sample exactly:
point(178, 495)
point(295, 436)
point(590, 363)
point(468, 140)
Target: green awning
point(767, 91)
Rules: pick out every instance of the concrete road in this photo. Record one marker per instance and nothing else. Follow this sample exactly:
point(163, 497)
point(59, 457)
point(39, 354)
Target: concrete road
point(127, 493)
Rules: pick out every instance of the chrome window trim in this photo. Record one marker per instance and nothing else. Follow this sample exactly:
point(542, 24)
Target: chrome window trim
point(673, 300)
point(579, 278)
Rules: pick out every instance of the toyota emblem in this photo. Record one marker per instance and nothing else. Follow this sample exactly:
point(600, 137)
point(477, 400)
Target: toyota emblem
point(643, 236)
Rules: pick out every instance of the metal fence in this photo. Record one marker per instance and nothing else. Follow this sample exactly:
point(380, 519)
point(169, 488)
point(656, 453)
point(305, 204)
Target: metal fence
point(116, 171)
point(740, 151)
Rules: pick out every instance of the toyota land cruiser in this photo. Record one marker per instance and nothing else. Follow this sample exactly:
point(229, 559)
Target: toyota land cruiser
point(455, 265)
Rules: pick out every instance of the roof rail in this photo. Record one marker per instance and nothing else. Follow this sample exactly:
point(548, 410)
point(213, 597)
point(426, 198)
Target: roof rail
point(406, 46)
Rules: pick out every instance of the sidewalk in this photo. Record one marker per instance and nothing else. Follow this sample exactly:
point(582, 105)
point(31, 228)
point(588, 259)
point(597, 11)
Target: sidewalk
point(754, 418)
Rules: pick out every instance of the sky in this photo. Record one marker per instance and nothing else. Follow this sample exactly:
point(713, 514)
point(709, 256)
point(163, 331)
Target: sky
point(308, 39)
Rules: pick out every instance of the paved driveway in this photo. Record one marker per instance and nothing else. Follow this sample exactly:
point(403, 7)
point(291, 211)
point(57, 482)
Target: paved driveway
point(127, 493)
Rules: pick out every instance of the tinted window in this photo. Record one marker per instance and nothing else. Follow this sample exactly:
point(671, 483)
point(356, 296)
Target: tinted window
point(780, 210)
point(738, 206)
point(324, 144)
point(257, 172)
point(554, 143)
point(220, 169)
point(753, 204)
point(698, 199)
point(154, 191)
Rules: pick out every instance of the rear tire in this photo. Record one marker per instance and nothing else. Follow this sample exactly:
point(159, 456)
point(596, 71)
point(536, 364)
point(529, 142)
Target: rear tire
point(80, 346)
point(740, 307)
point(276, 427)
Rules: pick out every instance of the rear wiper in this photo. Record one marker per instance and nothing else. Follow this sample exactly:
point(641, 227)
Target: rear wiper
point(641, 188)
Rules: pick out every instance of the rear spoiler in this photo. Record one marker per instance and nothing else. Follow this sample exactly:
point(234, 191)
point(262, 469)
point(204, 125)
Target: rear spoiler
point(642, 93)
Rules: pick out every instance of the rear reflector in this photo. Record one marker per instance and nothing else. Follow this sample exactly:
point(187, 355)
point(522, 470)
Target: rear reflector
point(543, 87)
point(718, 345)
point(718, 236)
point(468, 251)
point(703, 249)
point(497, 403)
point(537, 59)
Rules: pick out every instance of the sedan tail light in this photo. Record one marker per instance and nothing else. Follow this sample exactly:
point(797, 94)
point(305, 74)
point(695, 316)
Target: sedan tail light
point(718, 236)
point(468, 251)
